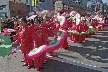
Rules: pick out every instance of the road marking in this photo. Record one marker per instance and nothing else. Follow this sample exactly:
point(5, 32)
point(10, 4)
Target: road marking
point(79, 64)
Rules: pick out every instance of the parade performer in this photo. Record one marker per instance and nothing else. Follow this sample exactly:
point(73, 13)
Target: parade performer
point(73, 37)
point(23, 38)
point(72, 18)
point(82, 27)
point(15, 24)
point(79, 29)
point(65, 27)
point(40, 37)
point(30, 61)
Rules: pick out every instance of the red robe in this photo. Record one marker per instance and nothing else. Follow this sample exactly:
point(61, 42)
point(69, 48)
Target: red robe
point(40, 37)
point(73, 37)
point(69, 23)
point(80, 29)
point(56, 30)
point(22, 36)
point(31, 43)
point(17, 36)
point(65, 43)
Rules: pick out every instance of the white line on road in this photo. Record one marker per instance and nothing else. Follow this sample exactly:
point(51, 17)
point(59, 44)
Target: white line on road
point(79, 64)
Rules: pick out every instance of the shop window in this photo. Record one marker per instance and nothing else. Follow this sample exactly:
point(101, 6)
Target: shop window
point(3, 15)
point(19, 0)
point(26, 1)
point(41, 0)
point(3, 7)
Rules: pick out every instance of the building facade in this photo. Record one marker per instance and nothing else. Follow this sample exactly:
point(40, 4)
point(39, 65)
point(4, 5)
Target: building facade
point(4, 8)
point(106, 9)
point(19, 9)
point(95, 5)
point(41, 5)
point(84, 2)
point(78, 5)
point(11, 9)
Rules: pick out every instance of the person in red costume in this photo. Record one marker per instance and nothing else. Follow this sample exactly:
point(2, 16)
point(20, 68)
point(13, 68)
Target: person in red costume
point(86, 28)
point(79, 28)
point(31, 45)
point(83, 28)
point(73, 37)
point(22, 36)
point(56, 29)
point(72, 26)
point(65, 43)
point(40, 37)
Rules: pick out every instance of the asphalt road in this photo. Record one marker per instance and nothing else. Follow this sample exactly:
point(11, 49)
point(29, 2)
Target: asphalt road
point(94, 49)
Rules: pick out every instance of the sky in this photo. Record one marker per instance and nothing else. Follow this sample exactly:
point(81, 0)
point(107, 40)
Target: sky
point(105, 1)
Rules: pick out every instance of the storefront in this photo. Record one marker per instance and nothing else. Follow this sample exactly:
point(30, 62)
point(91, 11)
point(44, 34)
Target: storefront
point(3, 14)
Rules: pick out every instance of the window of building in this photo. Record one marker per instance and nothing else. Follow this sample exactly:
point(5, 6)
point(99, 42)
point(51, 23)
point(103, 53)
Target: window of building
point(41, 0)
point(3, 7)
point(76, 0)
point(89, 6)
point(37, 1)
point(19, 0)
point(26, 1)
point(3, 15)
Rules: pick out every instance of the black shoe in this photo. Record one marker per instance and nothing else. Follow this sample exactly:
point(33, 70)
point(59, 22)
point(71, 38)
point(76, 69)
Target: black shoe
point(24, 64)
point(38, 69)
point(45, 62)
point(29, 67)
point(22, 60)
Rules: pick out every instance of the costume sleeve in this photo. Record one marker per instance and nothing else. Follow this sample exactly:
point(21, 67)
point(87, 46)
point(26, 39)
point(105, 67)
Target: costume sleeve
point(34, 37)
point(16, 36)
point(26, 36)
point(48, 31)
point(57, 28)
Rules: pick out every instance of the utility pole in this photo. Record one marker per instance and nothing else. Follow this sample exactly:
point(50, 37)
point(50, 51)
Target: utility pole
point(35, 6)
point(96, 7)
point(103, 8)
point(32, 5)
point(107, 8)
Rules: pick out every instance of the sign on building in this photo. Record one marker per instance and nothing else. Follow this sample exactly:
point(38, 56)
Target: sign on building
point(58, 5)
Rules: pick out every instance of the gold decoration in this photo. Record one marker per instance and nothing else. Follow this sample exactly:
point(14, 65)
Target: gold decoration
point(21, 33)
point(39, 34)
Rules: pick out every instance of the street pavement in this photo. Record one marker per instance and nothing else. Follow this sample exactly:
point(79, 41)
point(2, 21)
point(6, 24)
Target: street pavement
point(89, 56)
